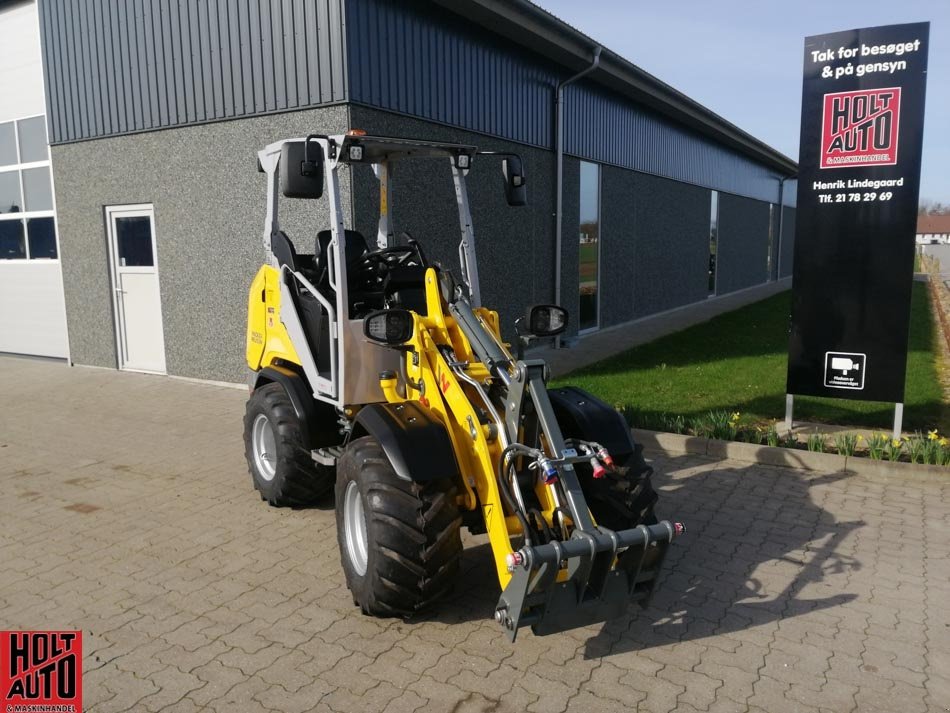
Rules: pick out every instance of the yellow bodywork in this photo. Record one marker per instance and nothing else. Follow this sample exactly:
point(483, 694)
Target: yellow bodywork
point(477, 447)
point(267, 340)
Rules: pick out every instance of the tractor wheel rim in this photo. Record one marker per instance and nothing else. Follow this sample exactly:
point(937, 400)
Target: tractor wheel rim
point(354, 529)
point(265, 447)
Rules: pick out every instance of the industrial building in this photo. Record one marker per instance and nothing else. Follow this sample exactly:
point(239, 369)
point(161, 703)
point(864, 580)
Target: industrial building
point(641, 200)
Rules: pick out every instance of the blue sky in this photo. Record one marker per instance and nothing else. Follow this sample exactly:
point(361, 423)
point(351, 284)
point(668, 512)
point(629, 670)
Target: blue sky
point(743, 59)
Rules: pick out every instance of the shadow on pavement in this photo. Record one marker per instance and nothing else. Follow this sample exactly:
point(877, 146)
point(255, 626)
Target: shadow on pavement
point(758, 548)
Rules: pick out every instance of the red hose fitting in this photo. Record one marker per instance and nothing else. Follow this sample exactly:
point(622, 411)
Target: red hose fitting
point(605, 458)
point(599, 470)
point(514, 560)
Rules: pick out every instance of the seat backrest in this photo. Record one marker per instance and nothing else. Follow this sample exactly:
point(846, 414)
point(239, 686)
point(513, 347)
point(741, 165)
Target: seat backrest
point(355, 245)
point(283, 250)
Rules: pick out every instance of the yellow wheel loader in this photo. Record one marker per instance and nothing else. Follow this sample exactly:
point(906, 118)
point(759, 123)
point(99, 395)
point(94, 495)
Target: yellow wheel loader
point(381, 377)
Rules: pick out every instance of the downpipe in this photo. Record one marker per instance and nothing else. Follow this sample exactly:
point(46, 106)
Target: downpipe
point(559, 179)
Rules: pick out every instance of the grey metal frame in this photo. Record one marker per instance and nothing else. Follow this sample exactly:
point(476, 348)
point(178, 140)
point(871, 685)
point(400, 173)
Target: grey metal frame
point(352, 357)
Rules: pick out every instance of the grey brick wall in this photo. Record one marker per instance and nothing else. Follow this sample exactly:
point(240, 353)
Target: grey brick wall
point(743, 243)
point(209, 219)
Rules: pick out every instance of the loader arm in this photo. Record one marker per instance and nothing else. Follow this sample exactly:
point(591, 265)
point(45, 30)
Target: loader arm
point(498, 415)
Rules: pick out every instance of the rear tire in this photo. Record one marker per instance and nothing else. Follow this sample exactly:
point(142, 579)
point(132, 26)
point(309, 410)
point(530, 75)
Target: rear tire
point(400, 541)
point(281, 467)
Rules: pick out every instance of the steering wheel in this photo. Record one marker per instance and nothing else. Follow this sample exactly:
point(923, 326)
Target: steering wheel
point(372, 267)
point(387, 257)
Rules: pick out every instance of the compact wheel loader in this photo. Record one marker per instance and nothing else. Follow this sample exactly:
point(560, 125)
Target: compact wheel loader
point(378, 375)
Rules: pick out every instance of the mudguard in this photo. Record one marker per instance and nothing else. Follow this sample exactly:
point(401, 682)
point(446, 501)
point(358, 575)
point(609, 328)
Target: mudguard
point(415, 442)
point(318, 423)
point(580, 414)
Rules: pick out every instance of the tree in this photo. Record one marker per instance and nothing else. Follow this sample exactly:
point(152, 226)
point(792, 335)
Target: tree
point(929, 207)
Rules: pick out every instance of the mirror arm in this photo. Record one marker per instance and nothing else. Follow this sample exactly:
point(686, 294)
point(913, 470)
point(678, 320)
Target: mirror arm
point(503, 154)
point(306, 149)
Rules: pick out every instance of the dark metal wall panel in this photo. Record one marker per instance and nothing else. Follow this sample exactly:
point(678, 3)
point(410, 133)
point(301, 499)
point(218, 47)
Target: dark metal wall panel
point(118, 66)
point(742, 243)
point(787, 247)
point(605, 127)
point(420, 59)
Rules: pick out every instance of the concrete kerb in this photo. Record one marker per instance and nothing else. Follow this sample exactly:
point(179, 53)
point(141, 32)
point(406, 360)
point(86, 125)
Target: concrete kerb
point(676, 444)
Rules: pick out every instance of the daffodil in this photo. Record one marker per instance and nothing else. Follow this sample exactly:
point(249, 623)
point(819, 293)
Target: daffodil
point(860, 437)
point(735, 416)
point(896, 443)
point(932, 435)
point(943, 442)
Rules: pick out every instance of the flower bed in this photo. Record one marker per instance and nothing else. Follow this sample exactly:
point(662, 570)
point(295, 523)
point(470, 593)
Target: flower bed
point(928, 448)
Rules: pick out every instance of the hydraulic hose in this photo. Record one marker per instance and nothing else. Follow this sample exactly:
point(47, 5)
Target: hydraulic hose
point(506, 494)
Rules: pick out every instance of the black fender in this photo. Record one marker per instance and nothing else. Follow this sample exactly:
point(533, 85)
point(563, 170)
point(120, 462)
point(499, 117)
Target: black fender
point(414, 440)
point(318, 422)
point(580, 414)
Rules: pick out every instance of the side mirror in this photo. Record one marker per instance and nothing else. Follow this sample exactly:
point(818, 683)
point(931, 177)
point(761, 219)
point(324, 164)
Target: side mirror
point(301, 169)
point(513, 171)
point(389, 326)
point(546, 320)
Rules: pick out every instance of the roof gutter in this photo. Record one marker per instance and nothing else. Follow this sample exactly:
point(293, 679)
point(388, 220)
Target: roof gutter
point(559, 181)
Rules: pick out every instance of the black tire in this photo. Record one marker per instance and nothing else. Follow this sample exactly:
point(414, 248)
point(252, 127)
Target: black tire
point(296, 479)
point(413, 539)
point(623, 499)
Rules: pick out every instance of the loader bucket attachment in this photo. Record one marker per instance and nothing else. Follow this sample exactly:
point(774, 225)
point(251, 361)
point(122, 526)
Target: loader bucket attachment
point(606, 570)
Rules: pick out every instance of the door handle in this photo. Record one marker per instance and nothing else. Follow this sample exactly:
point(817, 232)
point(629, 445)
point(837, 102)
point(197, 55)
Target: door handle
point(119, 289)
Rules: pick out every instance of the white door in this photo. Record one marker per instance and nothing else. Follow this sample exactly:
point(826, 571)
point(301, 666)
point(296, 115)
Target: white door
point(138, 304)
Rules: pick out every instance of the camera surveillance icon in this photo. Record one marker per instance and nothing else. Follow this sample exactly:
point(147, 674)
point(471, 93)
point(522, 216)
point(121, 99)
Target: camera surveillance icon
point(844, 365)
point(844, 370)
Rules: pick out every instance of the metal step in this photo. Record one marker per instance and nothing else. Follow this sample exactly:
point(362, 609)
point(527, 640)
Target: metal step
point(327, 456)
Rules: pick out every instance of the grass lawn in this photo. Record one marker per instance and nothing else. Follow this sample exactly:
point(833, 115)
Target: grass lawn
point(737, 362)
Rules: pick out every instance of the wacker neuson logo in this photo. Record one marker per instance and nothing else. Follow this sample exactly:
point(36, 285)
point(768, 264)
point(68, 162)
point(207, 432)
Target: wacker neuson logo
point(860, 128)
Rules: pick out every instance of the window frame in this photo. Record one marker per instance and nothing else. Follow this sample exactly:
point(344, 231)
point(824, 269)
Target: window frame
point(581, 331)
point(25, 215)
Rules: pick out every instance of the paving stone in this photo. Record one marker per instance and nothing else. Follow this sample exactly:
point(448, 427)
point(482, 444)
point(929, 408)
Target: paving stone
point(790, 593)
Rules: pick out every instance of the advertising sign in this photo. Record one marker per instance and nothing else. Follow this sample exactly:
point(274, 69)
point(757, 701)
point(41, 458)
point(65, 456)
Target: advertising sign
point(858, 183)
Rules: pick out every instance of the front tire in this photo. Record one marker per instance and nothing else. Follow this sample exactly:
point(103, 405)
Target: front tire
point(400, 541)
point(623, 499)
point(280, 465)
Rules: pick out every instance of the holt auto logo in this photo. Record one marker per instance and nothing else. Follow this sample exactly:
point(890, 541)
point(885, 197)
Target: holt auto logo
point(40, 672)
point(860, 128)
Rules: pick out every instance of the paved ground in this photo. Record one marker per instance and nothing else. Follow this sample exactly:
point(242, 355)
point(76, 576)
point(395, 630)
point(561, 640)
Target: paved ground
point(128, 513)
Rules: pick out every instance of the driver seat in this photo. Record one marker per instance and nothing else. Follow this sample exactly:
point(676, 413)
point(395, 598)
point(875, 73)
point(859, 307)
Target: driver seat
point(356, 247)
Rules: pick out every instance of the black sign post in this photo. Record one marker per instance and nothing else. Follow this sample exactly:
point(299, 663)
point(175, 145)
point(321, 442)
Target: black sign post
point(858, 184)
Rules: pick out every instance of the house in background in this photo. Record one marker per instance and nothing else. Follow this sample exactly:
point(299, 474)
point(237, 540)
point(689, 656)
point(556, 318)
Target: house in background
point(933, 229)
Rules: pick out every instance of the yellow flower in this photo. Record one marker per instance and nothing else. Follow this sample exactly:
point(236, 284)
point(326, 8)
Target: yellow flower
point(932, 435)
point(860, 437)
point(735, 416)
point(943, 442)
point(896, 443)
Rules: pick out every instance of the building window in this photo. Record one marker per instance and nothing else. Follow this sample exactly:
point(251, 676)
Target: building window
point(589, 254)
point(27, 216)
point(713, 239)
